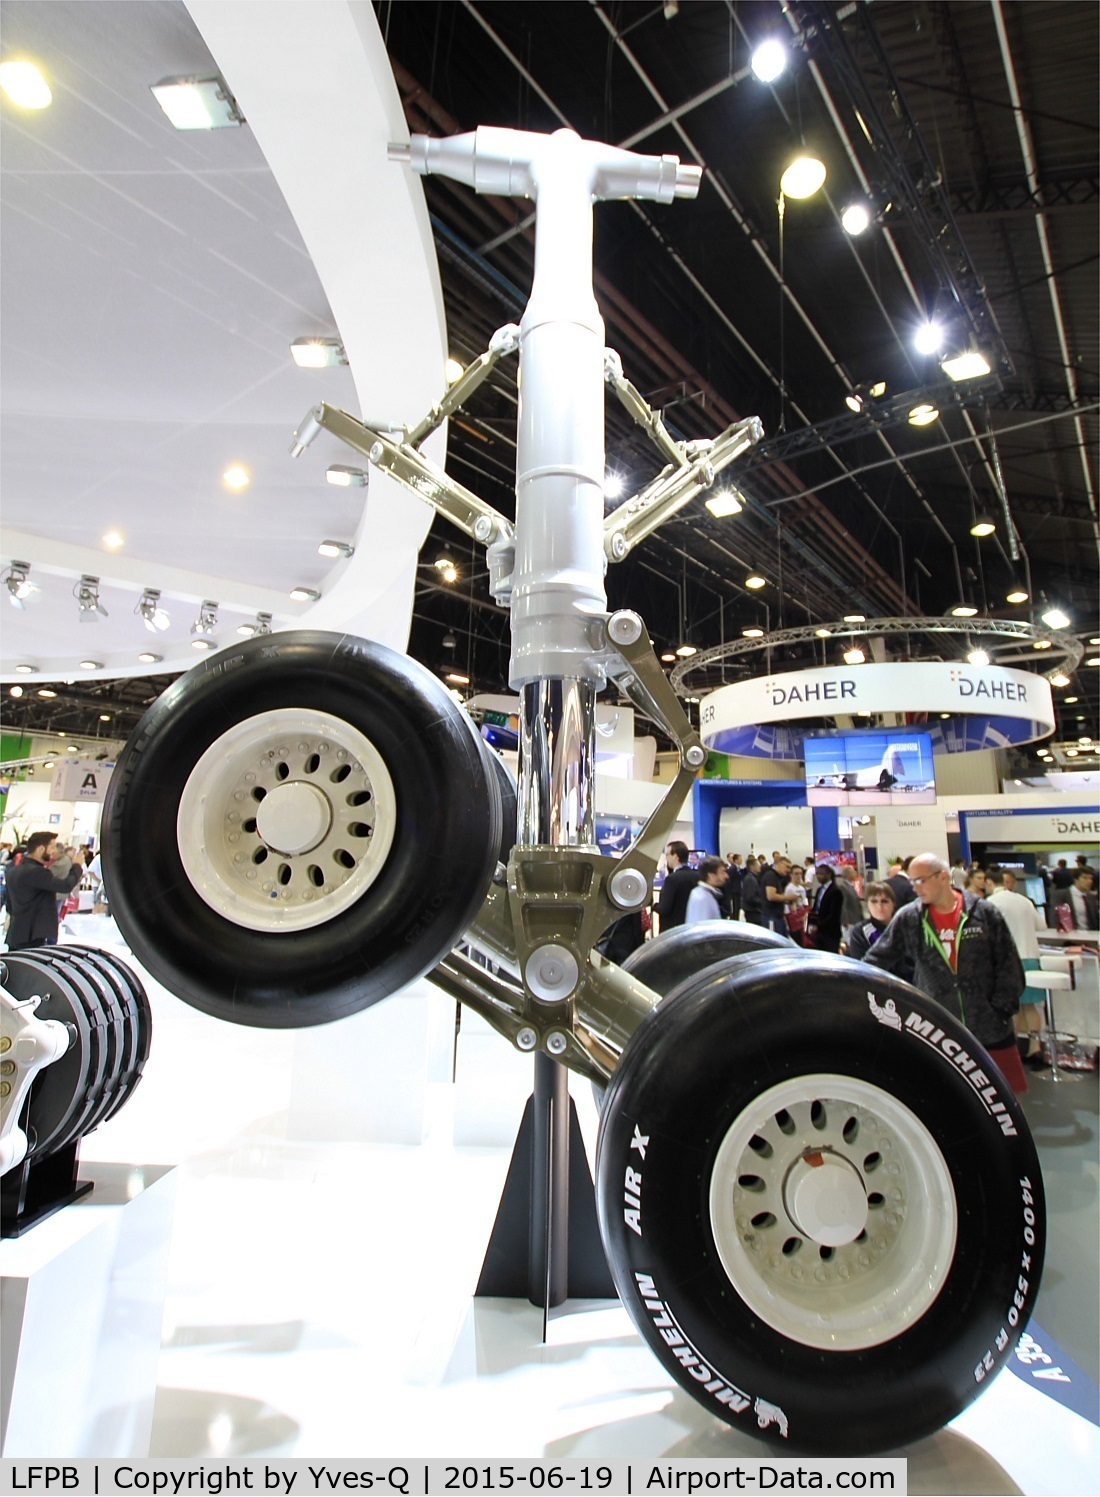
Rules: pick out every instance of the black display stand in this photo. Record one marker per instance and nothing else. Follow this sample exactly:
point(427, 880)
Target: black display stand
point(37, 1188)
point(545, 1245)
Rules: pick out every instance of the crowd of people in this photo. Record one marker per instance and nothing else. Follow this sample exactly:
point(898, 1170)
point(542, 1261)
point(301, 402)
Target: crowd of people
point(964, 934)
point(38, 876)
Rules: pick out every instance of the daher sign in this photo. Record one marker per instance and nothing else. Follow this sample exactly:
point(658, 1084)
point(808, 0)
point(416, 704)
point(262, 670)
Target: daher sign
point(1019, 701)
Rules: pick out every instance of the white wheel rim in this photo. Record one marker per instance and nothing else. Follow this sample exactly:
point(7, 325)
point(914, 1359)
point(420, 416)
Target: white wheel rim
point(286, 820)
point(889, 1175)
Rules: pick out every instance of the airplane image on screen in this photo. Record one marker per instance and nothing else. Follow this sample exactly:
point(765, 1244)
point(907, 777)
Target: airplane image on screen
point(882, 776)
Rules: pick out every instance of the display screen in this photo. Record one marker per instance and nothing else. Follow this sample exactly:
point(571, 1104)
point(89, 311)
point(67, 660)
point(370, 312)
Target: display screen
point(870, 769)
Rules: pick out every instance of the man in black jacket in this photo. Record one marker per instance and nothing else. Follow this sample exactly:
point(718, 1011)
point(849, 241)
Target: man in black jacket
point(32, 892)
point(960, 951)
point(672, 906)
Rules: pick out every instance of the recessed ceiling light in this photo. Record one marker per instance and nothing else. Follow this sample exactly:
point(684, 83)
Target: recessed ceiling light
point(335, 548)
point(148, 658)
point(49, 764)
point(346, 478)
point(1071, 753)
point(723, 504)
point(1086, 741)
point(113, 540)
point(105, 717)
point(923, 415)
point(24, 84)
point(753, 633)
point(91, 665)
point(236, 476)
point(756, 581)
point(304, 594)
point(73, 748)
point(197, 103)
point(27, 670)
point(318, 353)
point(44, 691)
point(202, 644)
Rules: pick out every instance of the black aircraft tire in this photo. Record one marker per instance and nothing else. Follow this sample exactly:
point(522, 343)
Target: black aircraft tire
point(685, 950)
point(729, 1099)
point(376, 781)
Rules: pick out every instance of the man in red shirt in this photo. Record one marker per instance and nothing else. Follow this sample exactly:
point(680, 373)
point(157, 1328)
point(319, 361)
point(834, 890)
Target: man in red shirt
point(962, 954)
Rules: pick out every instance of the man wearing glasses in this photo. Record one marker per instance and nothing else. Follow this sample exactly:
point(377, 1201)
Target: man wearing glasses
point(960, 952)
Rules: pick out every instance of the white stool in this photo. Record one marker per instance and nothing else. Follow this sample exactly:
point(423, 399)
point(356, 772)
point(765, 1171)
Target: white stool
point(1057, 961)
point(1051, 983)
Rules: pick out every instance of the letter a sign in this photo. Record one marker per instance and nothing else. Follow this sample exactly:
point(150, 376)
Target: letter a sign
point(81, 779)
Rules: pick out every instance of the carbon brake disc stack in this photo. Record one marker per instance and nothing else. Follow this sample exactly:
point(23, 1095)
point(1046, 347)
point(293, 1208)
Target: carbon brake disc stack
point(105, 1011)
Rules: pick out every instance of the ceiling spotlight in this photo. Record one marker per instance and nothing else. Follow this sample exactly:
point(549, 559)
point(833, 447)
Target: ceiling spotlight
point(855, 219)
point(1041, 644)
point(1093, 660)
point(21, 590)
point(802, 178)
point(236, 476)
point(45, 691)
point(768, 60)
point(150, 612)
point(105, 717)
point(91, 665)
point(453, 371)
point(114, 539)
point(1059, 679)
point(148, 658)
point(929, 338)
point(669, 657)
point(1017, 595)
point(456, 679)
point(197, 103)
point(855, 618)
point(685, 652)
point(304, 594)
point(923, 415)
point(1070, 700)
point(752, 633)
point(86, 593)
point(24, 84)
point(823, 633)
point(968, 365)
point(725, 503)
point(318, 353)
point(449, 641)
point(963, 611)
point(1071, 753)
point(26, 670)
point(205, 624)
point(1095, 640)
point(335, 548)
point(1054, 618)
point(346, 478)
point(202, 644)
point(756, 581)
point(253, 631)
point(983, 525)
point(978, 657)
point(446, 568)
point(854, 656)
point(1085, 742)
point(15, 691)
point(613, 485)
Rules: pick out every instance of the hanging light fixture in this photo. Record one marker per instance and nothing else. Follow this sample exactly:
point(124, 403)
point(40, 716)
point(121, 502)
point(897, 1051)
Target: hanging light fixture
point(253, 631)
point(150, 612)
point(804, 176)
point(768, 60)
point(978, 657)
point(21, 590)
point(854, 656)
point(1054, 618)
point(983, 525)
point(86, 593)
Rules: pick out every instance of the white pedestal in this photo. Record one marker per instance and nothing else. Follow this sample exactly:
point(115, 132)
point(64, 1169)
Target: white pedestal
point(81, 1305)
point(364, 1079)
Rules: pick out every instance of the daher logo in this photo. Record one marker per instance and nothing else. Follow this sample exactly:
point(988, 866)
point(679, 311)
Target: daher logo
point(808, 691)
point(978, 686)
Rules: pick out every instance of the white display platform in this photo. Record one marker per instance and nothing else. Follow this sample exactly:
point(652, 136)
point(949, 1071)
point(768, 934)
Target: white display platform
point(81, 1306)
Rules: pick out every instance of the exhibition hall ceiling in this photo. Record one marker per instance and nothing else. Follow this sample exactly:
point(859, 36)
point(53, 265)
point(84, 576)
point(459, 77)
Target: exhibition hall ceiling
point(967, 130)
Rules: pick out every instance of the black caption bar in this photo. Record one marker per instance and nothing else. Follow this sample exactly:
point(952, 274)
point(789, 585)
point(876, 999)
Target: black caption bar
point(438, 1478)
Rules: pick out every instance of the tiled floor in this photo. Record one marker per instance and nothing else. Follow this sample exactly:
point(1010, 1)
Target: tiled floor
point(336, 1193)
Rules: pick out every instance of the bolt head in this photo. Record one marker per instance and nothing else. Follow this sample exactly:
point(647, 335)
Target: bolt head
point(696, 756)
point(618, 545)
point(556, 1043)
point(483, 528)
point(628, 888)
point(375, 454)
point(526, 1039)
point(624, 627)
